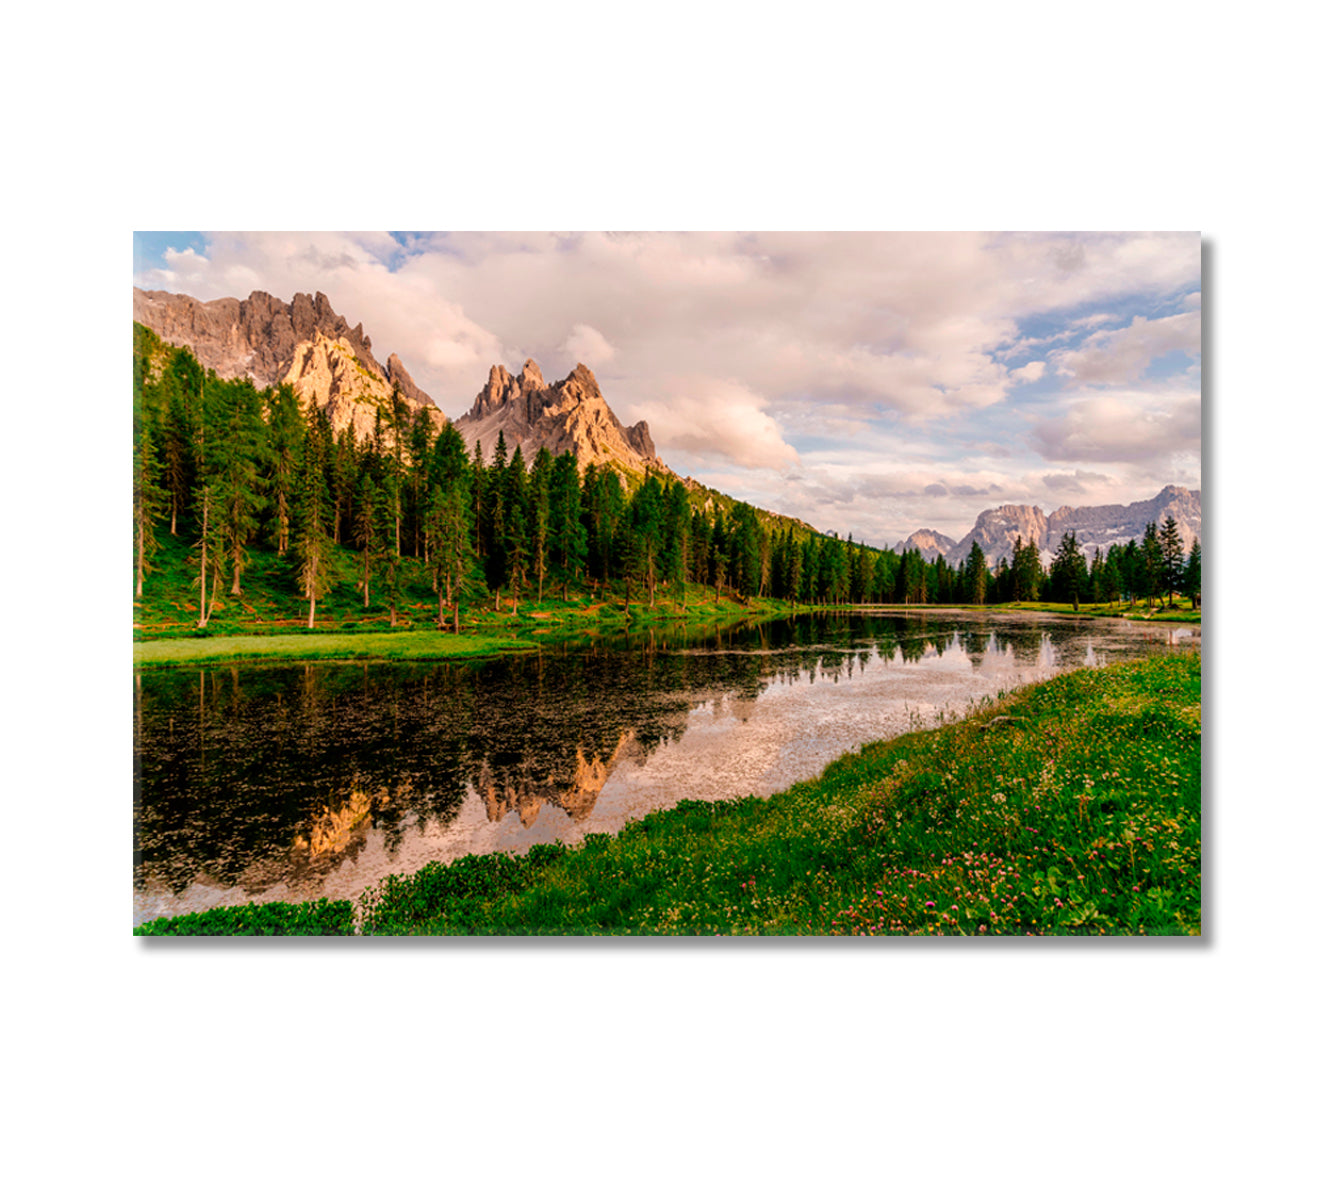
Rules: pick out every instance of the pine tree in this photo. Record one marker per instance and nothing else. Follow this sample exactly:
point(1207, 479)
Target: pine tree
point(746, 553)
point(235, 449)
point(976, 576)
point(517, 526)
point(312, 540)
point(1174, 557)
point(539, 506)
point(388, 561)
point(676, 537)
point(446, 534)
point(1151, 560)
point(1069, 572)
point(285, 433)
point(1026, 571)
point(1193, 576)
point(569, 541)
point(646, 514)
point(150, 499)
point(364, 503)
point(211, 555)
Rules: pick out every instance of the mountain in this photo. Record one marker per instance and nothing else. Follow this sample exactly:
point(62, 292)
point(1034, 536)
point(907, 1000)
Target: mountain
point(304, 343)
point(1094, 526)
point(928, 543)
point(569, 415)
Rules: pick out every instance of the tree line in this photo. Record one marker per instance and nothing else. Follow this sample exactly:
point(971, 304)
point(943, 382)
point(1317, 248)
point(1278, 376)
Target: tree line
point(233, 467)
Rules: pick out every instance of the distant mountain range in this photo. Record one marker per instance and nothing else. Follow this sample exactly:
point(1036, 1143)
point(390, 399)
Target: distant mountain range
point(330, 364)
point(1094, 526)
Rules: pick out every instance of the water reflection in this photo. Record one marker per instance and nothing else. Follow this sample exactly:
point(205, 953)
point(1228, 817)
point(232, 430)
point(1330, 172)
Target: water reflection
point(291, 782)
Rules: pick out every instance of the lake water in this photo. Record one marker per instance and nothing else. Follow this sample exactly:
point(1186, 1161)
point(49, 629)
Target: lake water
point(295, 781)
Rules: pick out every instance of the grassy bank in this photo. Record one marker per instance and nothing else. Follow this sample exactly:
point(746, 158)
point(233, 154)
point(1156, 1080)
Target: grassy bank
point(380, 646)
point(1140, 610)
point(1069, 807)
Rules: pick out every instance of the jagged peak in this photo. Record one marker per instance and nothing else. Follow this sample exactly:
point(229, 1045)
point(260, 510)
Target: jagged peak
point(582, 375)
point(530, 377)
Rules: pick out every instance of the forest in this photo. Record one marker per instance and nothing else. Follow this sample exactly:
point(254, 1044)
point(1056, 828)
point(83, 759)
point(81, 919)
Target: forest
point(233, 469)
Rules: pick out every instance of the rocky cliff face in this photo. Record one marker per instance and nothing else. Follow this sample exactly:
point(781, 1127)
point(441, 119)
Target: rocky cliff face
point(569, 415)
point(304, 343)
point(928, 543)
point(1094, 526)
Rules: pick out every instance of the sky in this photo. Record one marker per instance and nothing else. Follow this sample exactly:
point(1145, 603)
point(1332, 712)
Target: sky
point(869, 383)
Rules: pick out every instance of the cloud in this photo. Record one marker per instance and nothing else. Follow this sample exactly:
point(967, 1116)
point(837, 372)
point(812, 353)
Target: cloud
point(1122, 427)
point(1030, 372)
point(1121, 356)
point(586, 345)
point(719, 420)
point(1077, 483)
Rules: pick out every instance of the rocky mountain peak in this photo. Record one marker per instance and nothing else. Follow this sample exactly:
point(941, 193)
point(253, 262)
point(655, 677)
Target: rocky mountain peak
point(305, 343)
point(530, 378)
point(584, 378)
point(929, 543)
point(571, 414)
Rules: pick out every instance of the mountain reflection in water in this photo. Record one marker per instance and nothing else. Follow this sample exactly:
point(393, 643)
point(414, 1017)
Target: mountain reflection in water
point(297, 781)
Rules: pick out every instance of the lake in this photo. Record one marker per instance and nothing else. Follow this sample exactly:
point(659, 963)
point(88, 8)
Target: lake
point(301, 780)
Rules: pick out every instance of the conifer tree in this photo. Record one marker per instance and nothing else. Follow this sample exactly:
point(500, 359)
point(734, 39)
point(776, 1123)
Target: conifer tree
point(517, 526)
point(446, 533)
point(976, 576)
point(388, 561)
point(312, 540)
point(569, 542)
point(1192, 578)
point(364, 505)
point(539, 506)
point(211, 555)
point(746, 552)
point(150, 500)
point(1151, 562)
point(1174, 557)
point(286, 430)
point(676, 563)
point(1069, 572)
point(233, 452)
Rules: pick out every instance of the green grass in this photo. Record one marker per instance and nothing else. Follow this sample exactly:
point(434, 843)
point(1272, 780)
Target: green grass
point(312, 918)
point(1071, 807)
point(1140, 610)
point(379, 646)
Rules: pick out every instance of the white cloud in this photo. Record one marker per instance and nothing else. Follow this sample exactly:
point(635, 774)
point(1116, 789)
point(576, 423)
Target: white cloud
point(1030, 372)
point(715, 419)
point(586, 345)
point(1121, 356)
point(1127, 426)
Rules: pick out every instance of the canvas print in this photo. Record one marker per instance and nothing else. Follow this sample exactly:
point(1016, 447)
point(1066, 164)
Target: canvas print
point(667, 583)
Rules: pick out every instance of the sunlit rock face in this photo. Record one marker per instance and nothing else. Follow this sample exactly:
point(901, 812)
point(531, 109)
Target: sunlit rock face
point(304, 343)
point(1094, 526)
point(570, 415)
point(929, 543)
